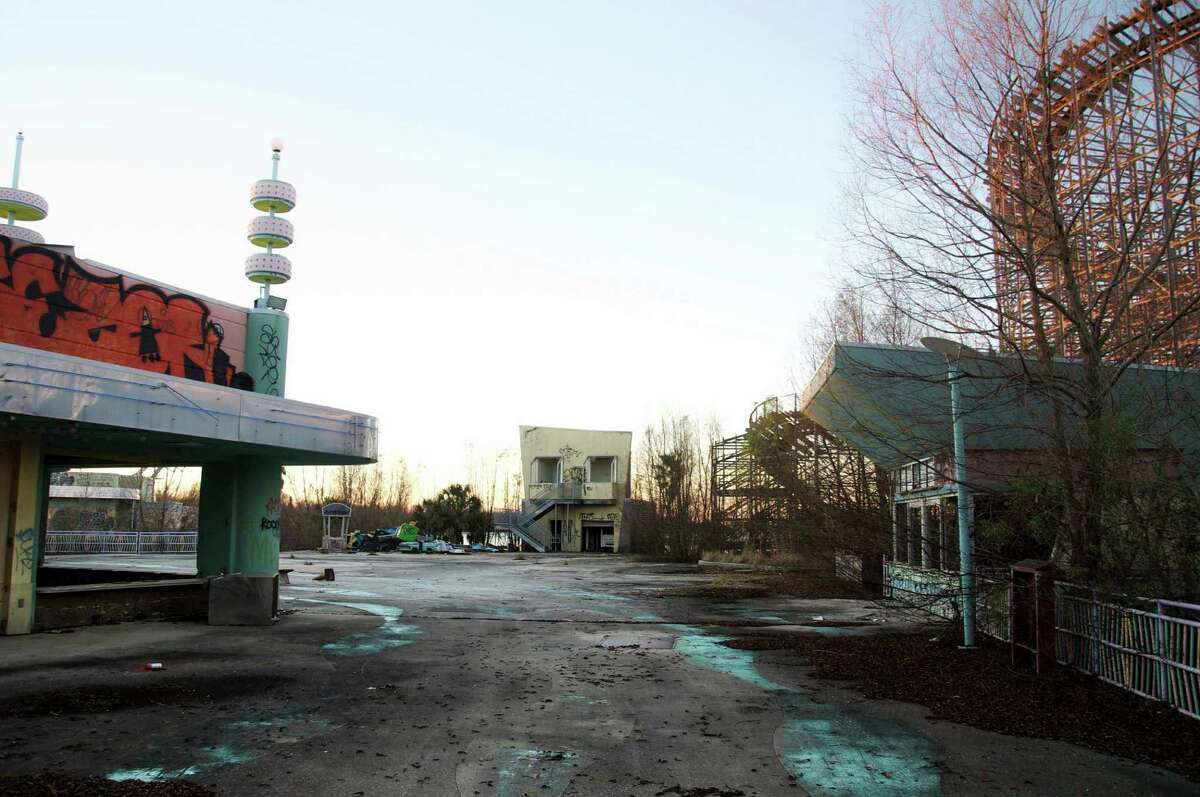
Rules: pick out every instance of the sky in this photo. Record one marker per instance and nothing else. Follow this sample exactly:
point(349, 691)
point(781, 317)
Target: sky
point(546, 213)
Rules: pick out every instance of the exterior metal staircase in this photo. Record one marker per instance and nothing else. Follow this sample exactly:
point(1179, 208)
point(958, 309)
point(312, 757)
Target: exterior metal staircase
point(521, 523)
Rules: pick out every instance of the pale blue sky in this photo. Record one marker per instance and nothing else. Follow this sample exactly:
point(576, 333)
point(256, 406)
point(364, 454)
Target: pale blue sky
point(545, 213)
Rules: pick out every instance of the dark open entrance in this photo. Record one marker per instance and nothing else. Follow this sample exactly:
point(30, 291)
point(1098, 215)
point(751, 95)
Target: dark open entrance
point(598, 537)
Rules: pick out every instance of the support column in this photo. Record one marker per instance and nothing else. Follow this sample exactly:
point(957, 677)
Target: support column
point(239, 539)
point(218, 505)
point(23, 518)
point(260, 483)
point(266, 349)
point(943, 536)
point(895, 532)
point(926, 537)
point(909, 538)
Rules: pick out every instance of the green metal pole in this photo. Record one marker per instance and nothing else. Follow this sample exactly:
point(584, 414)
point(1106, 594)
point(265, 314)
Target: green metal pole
point(966, 564)
point(16, 169)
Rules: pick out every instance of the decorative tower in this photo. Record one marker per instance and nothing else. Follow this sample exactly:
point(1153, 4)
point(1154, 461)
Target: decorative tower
point(18, 205)
point(267, 323)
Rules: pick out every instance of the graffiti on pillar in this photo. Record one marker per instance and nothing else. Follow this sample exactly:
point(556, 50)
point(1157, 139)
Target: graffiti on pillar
point(272, 506)
point(268, 352)
point(24, 550)
point(52, 300)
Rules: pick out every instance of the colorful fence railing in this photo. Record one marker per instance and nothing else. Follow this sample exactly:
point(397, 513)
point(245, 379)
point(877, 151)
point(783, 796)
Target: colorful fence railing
point(1146, 646)
point(1151, 648)
point(123, 542)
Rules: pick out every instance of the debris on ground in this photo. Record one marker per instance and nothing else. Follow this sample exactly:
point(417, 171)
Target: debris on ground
point(57, 784)
point(153, 666)
point(1064, 704)
point(325, 576)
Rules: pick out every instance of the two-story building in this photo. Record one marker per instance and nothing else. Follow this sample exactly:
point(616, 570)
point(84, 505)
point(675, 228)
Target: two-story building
point(576, 484)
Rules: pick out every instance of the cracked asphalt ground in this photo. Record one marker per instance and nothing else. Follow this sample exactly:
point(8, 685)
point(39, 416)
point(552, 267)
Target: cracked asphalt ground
point(493, 675)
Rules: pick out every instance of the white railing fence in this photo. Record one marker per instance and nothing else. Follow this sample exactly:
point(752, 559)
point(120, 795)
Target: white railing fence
point(1147, 646)
point(134, 543)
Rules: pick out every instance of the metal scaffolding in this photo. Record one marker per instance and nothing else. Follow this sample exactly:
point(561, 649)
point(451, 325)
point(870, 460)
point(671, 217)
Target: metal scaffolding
point(1093, 183)
point(786, 484)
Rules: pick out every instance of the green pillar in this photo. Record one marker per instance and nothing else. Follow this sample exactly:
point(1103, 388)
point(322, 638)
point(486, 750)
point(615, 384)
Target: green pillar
point(218, 503)
point(266, 349)
point(259, 484)
point(22, 526)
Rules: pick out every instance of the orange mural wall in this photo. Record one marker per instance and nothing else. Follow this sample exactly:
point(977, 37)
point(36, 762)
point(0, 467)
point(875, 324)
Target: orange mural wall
point(50, 300)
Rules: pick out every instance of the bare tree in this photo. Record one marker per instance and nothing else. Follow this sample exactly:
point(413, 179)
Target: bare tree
point(1030, 187)
point(672, 471)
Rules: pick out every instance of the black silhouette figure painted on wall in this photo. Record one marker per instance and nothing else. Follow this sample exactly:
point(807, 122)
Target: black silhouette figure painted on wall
point(147, 340)
point(57, 306)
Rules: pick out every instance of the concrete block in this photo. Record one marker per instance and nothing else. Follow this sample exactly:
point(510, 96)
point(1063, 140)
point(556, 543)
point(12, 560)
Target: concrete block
point(242, 600)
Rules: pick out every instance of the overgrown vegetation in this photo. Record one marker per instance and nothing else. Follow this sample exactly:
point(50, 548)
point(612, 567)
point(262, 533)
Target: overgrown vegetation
point(455, 511)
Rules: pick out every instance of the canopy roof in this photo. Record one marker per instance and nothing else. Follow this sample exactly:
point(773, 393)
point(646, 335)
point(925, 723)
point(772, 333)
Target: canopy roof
point(892, 403)
point(95, 413)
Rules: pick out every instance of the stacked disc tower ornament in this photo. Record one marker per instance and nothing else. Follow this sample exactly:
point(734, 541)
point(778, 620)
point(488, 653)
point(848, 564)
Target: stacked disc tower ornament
point(266, 323)
point(270, 231)
point(17, 205)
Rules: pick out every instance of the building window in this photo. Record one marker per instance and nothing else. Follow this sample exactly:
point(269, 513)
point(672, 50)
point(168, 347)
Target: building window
point(601, 469)
point(915, 476)
point(555, 535)
point(545, 470)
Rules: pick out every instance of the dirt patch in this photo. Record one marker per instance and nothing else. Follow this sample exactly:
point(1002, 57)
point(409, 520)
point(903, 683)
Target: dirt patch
point(740, 585)
point(54, 784)
point(980, 688)
point(142, 690)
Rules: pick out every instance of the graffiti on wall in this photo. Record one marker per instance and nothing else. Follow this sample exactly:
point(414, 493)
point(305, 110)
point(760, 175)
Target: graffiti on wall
point(268, 352)
point(24, 550)
point(49, 300)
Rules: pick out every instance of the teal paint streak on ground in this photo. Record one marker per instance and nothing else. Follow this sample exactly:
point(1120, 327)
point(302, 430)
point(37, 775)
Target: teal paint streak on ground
point(834, 751)
point(217, 756)
point(390, 634)
point(708, 652)
point(344, 593)
point(284, 721)
point(845, 753)
point(535, 772)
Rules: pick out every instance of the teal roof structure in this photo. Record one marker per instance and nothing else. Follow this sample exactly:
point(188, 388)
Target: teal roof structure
point(892, 403)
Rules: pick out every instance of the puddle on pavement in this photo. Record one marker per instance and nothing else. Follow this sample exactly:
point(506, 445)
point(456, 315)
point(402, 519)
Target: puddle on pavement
point(832, 750)
point(390, 634)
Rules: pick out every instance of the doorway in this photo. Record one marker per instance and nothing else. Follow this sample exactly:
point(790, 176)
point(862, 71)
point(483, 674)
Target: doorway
point(598, 537)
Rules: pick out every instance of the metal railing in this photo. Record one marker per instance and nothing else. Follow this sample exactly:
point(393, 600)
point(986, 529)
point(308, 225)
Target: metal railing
point(565, 491)
point(1153, 651)
point(134, 543)
point(1147, 646)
